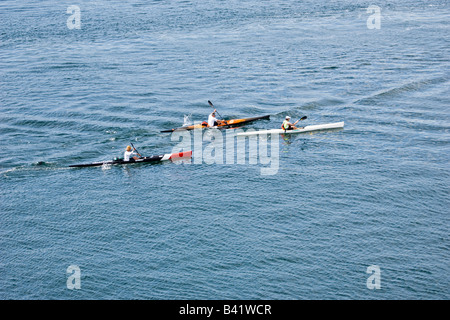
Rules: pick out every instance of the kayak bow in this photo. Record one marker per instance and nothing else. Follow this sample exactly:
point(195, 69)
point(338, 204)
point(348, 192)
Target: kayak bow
point(164, 157)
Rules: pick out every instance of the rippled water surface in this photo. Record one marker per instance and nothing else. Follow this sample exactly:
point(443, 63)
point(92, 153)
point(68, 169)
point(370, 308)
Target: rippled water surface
point(374, 193)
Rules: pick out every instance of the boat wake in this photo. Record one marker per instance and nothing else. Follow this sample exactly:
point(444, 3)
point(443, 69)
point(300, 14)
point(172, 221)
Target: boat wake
point(297, 112)
point(187, 120)
point(409, 87)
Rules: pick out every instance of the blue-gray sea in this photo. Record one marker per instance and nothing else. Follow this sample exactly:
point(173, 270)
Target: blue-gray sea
point(372, 195)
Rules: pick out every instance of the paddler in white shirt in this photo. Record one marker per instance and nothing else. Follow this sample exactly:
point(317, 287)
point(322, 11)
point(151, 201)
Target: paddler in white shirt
point(212, 121)
point(128, 153)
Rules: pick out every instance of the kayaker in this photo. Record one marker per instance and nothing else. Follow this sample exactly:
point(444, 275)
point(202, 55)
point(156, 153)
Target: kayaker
point(287, 125)
point(212, 121)
point(128, 153)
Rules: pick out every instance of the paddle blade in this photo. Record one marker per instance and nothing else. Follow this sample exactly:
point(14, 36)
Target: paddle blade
point(303, 118)
point(210, 103)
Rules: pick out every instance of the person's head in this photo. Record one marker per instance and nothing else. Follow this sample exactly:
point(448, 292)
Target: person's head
point(128, 148)
point(213, 114)
point(288, 118)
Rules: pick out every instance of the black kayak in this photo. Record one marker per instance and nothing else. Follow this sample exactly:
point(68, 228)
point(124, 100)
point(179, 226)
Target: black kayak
point(164, 157)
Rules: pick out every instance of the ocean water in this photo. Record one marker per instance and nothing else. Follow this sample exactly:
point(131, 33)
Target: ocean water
point(373, 194)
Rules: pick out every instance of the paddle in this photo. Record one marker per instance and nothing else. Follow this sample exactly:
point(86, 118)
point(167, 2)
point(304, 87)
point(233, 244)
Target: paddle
point(302, 118)
point(210, 103)
point(136, 150)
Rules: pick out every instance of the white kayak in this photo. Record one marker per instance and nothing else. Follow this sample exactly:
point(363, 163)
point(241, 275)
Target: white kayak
point(317, 127)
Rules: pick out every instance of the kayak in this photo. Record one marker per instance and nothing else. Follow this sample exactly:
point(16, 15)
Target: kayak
point(164, 157)
point(336, 125)
point(225, 124)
